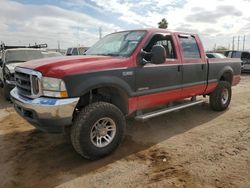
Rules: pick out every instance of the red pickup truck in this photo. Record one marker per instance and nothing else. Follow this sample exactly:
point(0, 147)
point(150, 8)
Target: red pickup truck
point(125, 74)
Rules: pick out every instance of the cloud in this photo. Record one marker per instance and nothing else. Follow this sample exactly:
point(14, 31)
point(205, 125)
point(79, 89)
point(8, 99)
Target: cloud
point(202, 15)
point(48, 23)
point(77, 21)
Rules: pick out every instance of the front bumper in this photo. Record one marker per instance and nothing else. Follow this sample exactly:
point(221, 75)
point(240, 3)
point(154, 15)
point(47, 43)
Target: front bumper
point(47, 114)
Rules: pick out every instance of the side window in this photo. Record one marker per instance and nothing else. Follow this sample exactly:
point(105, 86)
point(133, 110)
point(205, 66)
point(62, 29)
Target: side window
point(236, 55)
point(81, 51)
point(69, 51)
point(165, 41)
point(168, 45)
point(74, 51)
point(190, 47)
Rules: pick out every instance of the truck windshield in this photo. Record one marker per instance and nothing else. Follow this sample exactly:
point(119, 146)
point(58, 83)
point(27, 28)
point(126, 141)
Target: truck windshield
point(117, 44)
point(17, 56)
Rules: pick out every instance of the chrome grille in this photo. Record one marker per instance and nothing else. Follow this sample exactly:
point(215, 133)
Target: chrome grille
point(23, 83)
point(28, 82)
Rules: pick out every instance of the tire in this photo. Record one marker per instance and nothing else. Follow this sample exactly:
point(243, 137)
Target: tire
point(85, 123)
point(219, 100)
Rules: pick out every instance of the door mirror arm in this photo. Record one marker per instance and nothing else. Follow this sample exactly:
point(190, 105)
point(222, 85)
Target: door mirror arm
point(156, 56)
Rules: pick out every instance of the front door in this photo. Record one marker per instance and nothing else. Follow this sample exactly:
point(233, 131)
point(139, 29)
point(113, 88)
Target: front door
point(159, 83)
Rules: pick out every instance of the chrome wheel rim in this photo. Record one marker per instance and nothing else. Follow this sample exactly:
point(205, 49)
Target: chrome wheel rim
point(103, 132)
point(225, 96)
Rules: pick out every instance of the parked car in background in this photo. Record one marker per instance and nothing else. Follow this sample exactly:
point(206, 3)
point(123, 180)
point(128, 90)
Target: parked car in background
point(215, 55)
point(125, 74)
point(76, 51)
point(243, 55)
point(13, 56)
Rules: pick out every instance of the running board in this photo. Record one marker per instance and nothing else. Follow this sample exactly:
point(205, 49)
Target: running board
point(167, 110)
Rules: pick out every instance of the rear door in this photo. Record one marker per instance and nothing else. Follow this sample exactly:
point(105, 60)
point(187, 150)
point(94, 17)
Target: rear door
point(194, 70)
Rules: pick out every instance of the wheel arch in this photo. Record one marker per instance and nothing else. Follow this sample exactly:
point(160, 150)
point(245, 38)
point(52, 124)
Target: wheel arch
point(226, 74)
point(108, 92)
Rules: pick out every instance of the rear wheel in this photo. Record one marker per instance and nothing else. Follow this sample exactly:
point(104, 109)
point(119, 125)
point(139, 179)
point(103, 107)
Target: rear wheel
point(220, 98)
point(98, 130)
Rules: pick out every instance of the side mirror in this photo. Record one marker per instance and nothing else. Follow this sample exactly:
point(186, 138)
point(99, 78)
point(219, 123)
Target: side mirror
point(158, 54)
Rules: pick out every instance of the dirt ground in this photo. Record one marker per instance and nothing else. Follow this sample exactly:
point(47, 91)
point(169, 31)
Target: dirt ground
point(194, 147)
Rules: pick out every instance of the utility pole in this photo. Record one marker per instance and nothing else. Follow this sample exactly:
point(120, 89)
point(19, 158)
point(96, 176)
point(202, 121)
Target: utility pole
point(233, 44)
point(100, 32)
point(238, 46)
point(244, 40)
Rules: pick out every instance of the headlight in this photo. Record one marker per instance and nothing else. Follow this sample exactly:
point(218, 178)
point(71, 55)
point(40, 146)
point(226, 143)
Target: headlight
point(7, 71)
point(54, 87)
point(8, 75)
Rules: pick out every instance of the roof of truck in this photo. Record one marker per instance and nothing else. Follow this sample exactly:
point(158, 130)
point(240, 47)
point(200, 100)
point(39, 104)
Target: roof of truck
point(152, 30)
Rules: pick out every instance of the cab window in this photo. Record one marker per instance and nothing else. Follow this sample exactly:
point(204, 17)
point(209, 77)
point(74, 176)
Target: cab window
point(164, 40)
point(189, 47)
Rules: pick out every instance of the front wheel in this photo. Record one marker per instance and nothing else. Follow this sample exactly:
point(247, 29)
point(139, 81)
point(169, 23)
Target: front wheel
point(98, 130)
point(220, 98)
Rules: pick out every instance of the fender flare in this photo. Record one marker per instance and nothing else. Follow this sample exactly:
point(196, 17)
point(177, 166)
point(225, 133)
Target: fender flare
point(103, 81)
point(226, 69)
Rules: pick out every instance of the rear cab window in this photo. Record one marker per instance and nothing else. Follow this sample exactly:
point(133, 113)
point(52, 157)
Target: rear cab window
point(189, 47)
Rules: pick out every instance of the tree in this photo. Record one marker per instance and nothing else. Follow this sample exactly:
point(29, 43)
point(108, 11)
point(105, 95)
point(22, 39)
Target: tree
point(220, 48)
point(163, 24)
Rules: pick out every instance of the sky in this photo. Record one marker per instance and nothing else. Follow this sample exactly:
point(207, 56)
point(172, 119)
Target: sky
point(77, 22)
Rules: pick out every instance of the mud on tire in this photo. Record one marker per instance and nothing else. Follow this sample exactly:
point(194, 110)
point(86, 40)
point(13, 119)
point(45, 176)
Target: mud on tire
point(220, 98)
point(85, 130)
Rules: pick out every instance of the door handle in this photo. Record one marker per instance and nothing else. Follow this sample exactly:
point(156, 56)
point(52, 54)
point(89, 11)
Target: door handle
point(202, 66)
point(179, 68)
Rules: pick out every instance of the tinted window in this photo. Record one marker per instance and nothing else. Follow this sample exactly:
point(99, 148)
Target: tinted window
point(236, 55)
point(74, 52)
point(210, 56)
point(69, 51)
point(190, 47)
point(245, 55)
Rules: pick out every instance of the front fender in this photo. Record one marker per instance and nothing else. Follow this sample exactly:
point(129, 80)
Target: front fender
point(78, 86)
